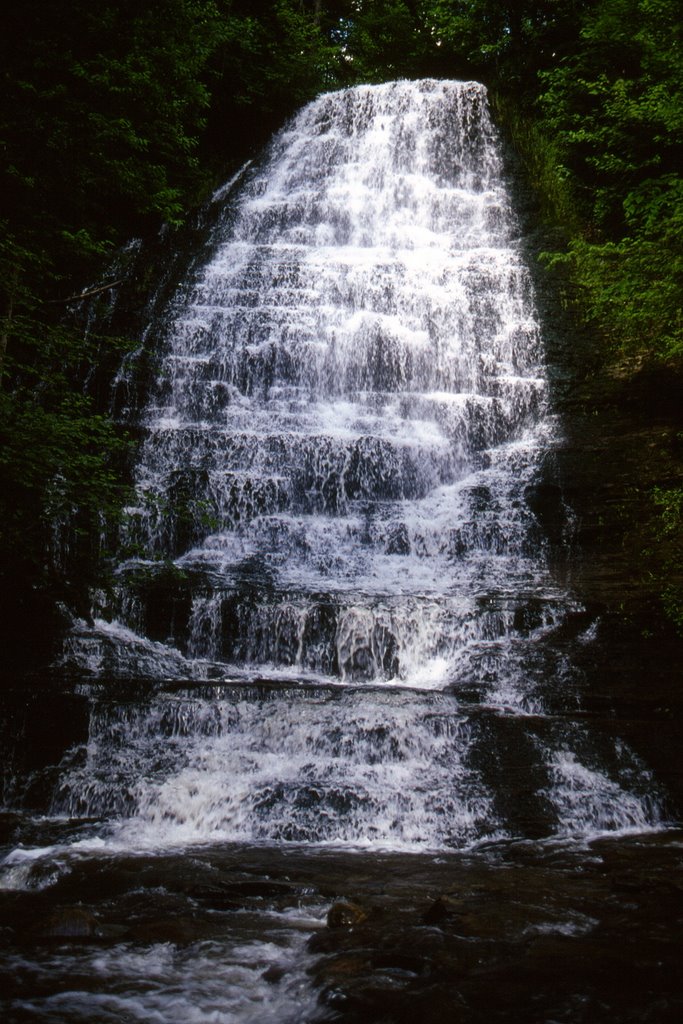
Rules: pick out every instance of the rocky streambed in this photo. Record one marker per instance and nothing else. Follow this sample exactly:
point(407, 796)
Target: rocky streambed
point(516, 931)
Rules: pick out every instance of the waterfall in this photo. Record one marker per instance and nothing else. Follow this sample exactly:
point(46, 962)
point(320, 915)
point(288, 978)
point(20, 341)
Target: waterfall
point(336, 548)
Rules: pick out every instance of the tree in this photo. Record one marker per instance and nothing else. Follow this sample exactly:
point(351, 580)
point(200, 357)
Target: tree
point(114, 120)
point(99, 124)
point(615, 107)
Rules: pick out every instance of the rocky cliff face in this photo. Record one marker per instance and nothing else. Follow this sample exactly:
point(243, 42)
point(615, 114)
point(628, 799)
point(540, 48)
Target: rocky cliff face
point(622, 439)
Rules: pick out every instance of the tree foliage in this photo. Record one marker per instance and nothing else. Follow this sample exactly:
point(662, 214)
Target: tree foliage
point(113, 120)
point(615, 107)
point(100, 116)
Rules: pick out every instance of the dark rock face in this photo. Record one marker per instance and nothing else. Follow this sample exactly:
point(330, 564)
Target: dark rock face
point(545, 501)
point(620, 427)
point(39, 723)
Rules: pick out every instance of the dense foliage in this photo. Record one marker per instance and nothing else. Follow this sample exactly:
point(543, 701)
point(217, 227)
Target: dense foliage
point(615, 109)
point(116, 118)
point(113, 121)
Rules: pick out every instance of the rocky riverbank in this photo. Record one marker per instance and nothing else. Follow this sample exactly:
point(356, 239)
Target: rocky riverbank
point(515, 931)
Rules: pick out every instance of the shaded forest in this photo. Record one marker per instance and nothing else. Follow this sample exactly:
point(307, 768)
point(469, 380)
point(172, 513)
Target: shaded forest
point(118, 120)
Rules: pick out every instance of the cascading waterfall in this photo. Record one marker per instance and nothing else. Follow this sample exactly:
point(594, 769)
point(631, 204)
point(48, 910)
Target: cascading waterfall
point(335, 663)
point(335, 542)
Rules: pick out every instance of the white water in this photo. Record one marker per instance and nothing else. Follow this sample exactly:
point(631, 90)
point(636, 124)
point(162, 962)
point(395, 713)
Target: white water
point(211, 982)
point(351, 405)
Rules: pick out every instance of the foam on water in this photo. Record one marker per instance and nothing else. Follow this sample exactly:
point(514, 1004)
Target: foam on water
point(210, 982)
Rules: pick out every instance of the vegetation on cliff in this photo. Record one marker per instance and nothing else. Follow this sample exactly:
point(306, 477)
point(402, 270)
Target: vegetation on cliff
point(117, 119)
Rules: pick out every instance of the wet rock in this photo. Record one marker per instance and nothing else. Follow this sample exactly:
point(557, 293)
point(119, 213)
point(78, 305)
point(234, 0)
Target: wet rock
point(401, 964)
point(178, 931)
point(337, 970)
point(274, 974)
point(445, 908)
point(67, 923)
point(37, 728)
point(545, 501)
point(386, 999)
point(9, 824)
point(150, 905)
point(259, 889)
point(332, 941)
point(480, 498)
point(238, 894)
point(345, 915)
point(398, 542)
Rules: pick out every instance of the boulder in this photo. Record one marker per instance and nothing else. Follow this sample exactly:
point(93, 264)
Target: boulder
point(345, 915)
